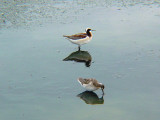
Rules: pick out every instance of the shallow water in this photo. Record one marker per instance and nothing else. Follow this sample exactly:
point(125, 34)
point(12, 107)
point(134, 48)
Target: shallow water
point(124, 54)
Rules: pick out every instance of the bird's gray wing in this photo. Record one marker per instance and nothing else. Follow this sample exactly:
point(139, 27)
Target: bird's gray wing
point(76, 36)
point(84, 81)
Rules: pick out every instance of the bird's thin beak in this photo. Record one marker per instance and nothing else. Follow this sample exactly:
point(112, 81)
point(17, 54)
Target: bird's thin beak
point(93, 30)
point(103, 91)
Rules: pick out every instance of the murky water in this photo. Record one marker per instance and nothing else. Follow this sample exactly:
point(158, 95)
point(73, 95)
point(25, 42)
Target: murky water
point(39, 68)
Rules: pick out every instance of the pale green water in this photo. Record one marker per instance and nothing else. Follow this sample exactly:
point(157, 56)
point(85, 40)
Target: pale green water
point(35, 82)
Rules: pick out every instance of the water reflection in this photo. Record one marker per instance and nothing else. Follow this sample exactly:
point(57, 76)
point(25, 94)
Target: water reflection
point(91, 98)
point(80, 56)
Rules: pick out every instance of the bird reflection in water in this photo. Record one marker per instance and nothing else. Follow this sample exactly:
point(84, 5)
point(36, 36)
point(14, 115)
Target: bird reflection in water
point(91, 98)
point(80, 56)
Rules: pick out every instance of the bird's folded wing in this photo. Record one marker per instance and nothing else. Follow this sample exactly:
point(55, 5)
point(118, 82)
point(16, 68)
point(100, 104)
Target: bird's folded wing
point(83, 81)
point(76, 36)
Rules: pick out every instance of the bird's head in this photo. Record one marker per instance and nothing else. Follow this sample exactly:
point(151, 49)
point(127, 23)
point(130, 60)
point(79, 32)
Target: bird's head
point(102, 86)
point(89, 29)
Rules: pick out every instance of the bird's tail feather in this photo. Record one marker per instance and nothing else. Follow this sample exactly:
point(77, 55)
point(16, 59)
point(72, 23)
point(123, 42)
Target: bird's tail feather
point(80, 80)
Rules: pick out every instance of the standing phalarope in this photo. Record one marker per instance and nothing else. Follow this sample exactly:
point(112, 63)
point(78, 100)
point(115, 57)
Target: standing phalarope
point(80, 38)
point(91, 84)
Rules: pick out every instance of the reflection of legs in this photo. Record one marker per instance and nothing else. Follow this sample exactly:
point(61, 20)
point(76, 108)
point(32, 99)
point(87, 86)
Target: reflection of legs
point(79, 47)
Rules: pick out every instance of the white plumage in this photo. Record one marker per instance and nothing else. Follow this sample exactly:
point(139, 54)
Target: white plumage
point(80, 38)
point(90, 84)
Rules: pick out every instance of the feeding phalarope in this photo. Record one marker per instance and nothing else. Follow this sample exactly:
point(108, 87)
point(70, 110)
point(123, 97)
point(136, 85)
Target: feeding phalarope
point(91, 84)
point(80, 38)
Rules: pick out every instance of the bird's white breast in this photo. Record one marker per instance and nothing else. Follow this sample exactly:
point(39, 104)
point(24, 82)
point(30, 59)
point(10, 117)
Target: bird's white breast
point(82, 41)
point(89, 87)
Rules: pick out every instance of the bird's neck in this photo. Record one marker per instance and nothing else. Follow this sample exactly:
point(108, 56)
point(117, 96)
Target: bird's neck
point(89, 33)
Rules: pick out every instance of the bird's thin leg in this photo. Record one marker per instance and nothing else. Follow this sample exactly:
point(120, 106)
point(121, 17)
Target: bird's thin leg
point(79, 47)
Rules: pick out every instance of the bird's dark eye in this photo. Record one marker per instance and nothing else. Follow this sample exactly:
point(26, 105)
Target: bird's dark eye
point(89, 30)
